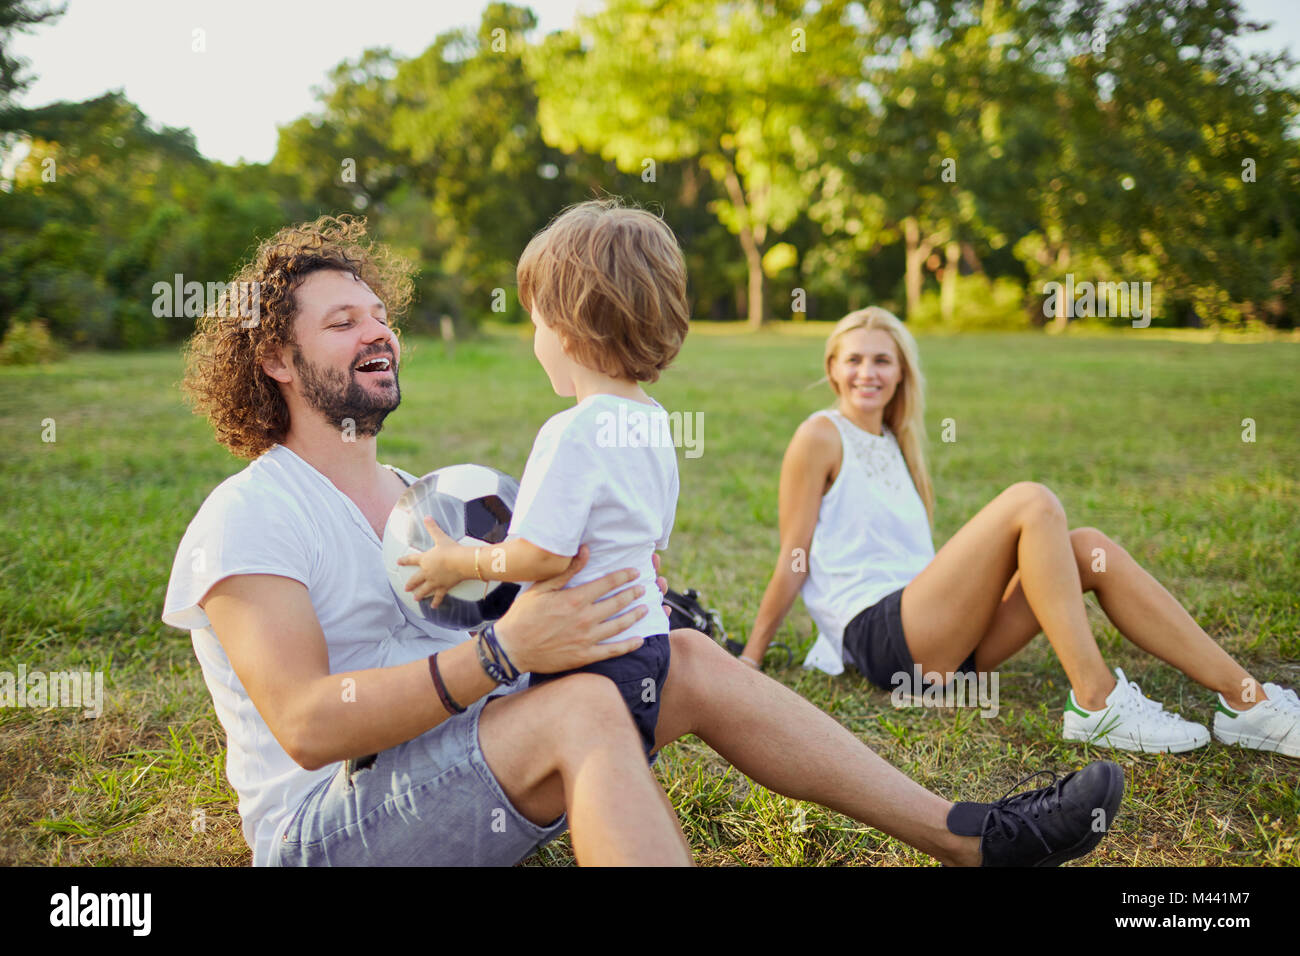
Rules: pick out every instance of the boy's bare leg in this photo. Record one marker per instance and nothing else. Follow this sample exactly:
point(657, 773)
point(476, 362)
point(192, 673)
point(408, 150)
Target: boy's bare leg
point(773, 735)
point(569, 745)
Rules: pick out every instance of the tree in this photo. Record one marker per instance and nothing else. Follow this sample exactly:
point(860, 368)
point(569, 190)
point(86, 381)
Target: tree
point(728, 85)
point(18, 16)
point(342, 158)
point(953, 110)
point(103, 206)
point(1188, 136)
point(467, 120)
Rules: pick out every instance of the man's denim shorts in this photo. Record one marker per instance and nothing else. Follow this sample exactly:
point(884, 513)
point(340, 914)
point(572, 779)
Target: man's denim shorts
point(431, 801)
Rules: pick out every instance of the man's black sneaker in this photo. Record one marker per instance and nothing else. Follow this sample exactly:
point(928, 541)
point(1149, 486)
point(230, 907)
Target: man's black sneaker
point(1044, 827)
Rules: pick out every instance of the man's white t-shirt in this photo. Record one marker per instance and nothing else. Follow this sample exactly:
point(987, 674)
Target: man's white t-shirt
point(281, 516)
point(604, 474)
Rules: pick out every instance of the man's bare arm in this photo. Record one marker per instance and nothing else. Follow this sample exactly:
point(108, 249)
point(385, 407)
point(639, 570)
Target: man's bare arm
point(270, 632)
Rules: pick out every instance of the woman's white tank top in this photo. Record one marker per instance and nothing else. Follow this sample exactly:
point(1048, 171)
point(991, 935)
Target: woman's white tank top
point(872, 538)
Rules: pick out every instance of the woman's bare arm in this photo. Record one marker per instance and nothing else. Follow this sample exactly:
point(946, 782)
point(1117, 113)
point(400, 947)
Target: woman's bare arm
point(811, 461)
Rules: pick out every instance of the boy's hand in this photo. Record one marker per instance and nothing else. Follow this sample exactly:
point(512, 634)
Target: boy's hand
point(437, 572)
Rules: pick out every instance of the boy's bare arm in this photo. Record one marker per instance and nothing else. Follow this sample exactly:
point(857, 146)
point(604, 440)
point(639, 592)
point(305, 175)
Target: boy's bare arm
point(513, 560)
point(448, 563)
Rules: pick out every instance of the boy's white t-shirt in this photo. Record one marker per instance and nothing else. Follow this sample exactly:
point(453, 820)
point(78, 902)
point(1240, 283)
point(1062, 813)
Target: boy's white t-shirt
point(604, 474)
point(281, 516)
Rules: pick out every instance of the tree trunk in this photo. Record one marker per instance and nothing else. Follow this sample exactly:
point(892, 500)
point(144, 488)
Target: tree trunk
point(948, 285)
point(1062, 263)
point(754, 259)
point(917, 250)
point(690, 185)
point(751, 241)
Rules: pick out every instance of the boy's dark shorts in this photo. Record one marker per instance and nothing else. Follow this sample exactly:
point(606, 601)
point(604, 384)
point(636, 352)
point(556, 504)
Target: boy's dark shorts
point(639, 676)
point(874, 639)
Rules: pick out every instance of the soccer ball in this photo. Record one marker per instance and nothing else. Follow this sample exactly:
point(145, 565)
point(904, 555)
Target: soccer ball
point(473, 504)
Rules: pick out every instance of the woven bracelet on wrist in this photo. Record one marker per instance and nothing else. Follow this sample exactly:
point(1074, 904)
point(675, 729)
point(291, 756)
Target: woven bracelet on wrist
point(450, 705)
point(499, 652)
point(489, 664)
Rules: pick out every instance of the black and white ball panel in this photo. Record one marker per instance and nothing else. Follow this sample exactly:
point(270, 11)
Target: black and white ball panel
point(472, 504)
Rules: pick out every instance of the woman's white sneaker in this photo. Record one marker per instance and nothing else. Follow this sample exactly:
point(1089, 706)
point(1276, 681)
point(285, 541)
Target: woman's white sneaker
point(1131, 721)
point(1272, 724)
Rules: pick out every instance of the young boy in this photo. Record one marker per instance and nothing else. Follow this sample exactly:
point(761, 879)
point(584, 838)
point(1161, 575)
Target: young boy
point(606, 288)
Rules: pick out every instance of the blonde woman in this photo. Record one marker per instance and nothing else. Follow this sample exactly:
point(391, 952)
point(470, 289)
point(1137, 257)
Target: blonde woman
point(856, 512)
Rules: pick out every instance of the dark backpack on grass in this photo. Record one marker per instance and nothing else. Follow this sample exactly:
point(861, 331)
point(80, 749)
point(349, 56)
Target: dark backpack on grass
point(685, 610)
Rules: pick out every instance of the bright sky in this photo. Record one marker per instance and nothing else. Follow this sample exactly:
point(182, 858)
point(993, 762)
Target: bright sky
point(261, 61)
point(262, 57)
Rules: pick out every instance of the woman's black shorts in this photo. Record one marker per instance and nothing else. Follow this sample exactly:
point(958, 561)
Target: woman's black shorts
point(874, 640)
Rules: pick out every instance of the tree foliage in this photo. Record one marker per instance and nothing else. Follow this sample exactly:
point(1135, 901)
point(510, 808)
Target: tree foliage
point(944, 158)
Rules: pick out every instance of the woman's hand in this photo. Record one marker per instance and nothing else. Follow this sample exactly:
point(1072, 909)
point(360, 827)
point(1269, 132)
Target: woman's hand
point(436, 574)
point(551, 628)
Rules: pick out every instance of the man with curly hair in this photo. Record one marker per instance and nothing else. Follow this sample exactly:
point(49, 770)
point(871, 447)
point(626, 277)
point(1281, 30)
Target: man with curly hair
point(359, 733)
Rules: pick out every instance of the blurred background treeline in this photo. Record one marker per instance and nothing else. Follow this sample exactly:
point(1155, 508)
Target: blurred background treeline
point(944, 159)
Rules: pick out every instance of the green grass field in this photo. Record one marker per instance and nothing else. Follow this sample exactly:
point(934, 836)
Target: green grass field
point(1138, 436)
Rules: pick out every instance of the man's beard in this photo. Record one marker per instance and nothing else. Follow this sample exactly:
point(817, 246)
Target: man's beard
point(342, 400)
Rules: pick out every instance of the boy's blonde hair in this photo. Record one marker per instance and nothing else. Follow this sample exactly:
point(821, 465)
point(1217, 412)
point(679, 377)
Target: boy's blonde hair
point(905, 413)
point(611, 282)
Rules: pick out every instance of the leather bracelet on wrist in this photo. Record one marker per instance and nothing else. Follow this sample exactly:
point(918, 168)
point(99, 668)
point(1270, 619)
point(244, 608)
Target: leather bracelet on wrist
point(493, 658)
point(499, 652)
point(447, 702)
point(490, 666)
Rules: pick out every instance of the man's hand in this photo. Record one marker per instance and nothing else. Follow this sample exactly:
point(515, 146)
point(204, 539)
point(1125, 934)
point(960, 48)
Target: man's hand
point(551, 628)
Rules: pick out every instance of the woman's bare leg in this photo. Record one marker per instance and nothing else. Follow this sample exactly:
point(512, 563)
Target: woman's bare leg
point(1013, 626)
point(1149, 616)
point(948, 608)
point(1139, 607)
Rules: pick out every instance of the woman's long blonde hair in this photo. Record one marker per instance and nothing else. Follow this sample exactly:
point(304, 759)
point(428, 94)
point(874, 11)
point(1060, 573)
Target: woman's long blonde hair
point(905, 413)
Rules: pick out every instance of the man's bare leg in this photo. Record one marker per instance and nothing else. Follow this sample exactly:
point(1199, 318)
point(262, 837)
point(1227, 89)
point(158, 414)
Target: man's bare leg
point(569, 745)
point(773, 735)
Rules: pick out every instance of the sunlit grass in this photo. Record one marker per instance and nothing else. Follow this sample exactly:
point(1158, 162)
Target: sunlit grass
point(1137, 436)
